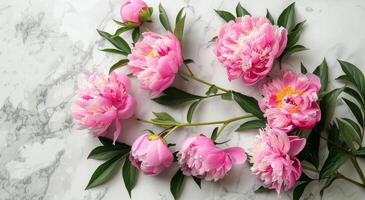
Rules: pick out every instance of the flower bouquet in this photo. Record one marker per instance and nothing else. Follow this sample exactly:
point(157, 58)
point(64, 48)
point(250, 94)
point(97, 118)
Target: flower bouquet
point(294, 115)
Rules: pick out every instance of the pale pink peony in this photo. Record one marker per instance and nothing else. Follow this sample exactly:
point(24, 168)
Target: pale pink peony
point(155, 61)
point(201, 158)
point(291, 101)
point(131, 10)
point(274, 161)
point(248, 47)
point(103, 100)
point(150, 154)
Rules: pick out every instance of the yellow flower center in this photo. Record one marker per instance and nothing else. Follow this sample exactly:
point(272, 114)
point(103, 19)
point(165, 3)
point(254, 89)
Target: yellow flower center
point(152, 54)
point(287, 91)
point(153, 137)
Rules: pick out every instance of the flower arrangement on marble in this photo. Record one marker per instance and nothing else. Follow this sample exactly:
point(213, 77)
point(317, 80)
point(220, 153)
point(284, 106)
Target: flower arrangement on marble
point(294, 114)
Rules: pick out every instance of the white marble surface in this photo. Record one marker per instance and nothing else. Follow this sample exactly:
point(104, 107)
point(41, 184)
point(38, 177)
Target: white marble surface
point(45, 45)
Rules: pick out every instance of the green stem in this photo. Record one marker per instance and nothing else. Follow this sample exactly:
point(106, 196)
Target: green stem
point(358, 169)
point(202, 81)
point(350, 180)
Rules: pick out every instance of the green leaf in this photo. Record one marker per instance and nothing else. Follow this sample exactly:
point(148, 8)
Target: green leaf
point(298, 190)
point(108, 152)
point(176, 184)
point(109, 142)
point(333, 162)
point(163, 117)
point(348, 134)
point(119, 23)
point(328, 183)
point(179, 28)
point(116, 51)
point(304, 177)
point(354, 125)
point(355, 110)
point(322, 72)
point(188, 61)
point(269, 17)
point(104, 172)
point(334, 137)
point(227, 96)
point(174, 96)
point(213, 39)
point(263, 189)
point(164, 19)
point(356, 95)
point(361, 152)
point(212, 90)
point(122, 30)
point(311, 149)
point(118, 64)
point(179, 15)
point(146, 14)
point(129, 176)
point(214, 135)
point(255, 124)
point(117, 41)
point(343, 78)
point(295, 49)
point(240, 11)
point(248, 104)
point(191, 110)
point(136, 34)
point(295, 34)
point(328, 105)
point(227, 16)
point(355, 75)
point(303, 69)
point(198, 181)
point(287, 17)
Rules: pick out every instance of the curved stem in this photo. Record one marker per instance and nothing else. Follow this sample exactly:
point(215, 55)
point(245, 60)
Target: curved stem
point(358, 169)
point(350, 180)
point(202, 81)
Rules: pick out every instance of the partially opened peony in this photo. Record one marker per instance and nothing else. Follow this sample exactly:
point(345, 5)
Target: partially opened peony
point(150, 154)
point(274, 161)
point(248, 47)
point(291, 101)
point(102, 101)
point(155, 61)
point(201, 158)
point(132, 10)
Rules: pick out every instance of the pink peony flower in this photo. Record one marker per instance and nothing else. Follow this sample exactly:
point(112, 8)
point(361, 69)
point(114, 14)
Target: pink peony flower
point(155, 61)
point(150, 154)
point(274, 161)
point(248, 46)
point(201, 158)
point(131, 10)
point(291, 101)
point(102, 101)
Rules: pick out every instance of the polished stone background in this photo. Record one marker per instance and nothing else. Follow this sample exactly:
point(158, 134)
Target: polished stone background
point(46, 45)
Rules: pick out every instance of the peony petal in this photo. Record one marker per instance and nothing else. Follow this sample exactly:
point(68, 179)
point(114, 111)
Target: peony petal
point(237, 154)
point(296, 145)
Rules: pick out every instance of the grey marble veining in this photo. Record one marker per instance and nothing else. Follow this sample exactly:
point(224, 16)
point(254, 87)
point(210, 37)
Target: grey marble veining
point(46, 45)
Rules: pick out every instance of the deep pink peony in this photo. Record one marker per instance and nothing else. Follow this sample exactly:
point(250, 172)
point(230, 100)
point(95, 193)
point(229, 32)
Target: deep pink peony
point(291, 101)
point(102, 101)
point(150, 154)
point(201, 158)
point(131, 10)
point(155, 61)
point(248, 47)
point(274, 161)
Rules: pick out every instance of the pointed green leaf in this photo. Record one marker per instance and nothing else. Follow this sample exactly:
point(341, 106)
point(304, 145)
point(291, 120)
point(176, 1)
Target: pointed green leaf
point(356, 95)
point(298, 190)
point(116, 51)
point(198, 181)
point(214, 135)
point(136, 34)
point(355, 75)
point(248, 104)
point(310, 152)
point(241, 11)
point(119, 64)
point(348, 134)
point(179, 28)
point(287, 17)
point(255, 124)
point(303, 69)
point(333, 162)
point(269, 17)
point(122, 30)
point(104, 172)
point(129, 175)
point(328, 105)
point(295, 49)
point(356, 111)
point(164, 18)
point(227, 16)
point(361, 152)
point(295, 34)
point(108, 152)
point(328, 183)
point(191, 110)
point(322, 72)
point(354, 125)
point(173, 96)
point(117, 41)
point(176, 184)
point(163, 117)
